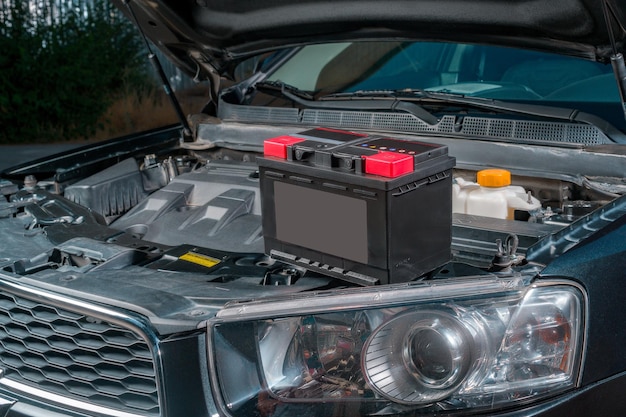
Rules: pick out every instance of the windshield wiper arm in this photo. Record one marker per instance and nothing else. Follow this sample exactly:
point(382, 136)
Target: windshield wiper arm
point(526, 109)
point(281, 87)
point(419, 95)
point(370, 104)
point(366, 94)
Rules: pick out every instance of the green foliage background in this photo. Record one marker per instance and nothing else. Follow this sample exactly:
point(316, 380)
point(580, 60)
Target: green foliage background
point(62, 64)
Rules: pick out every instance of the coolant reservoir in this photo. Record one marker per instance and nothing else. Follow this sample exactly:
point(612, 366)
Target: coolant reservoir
point(492, 195)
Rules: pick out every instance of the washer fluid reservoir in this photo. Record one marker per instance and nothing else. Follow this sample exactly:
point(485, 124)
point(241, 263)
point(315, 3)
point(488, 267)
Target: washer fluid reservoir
point(491, 196)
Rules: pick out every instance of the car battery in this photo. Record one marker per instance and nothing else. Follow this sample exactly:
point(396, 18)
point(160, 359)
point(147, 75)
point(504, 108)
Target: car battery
point(363, 208)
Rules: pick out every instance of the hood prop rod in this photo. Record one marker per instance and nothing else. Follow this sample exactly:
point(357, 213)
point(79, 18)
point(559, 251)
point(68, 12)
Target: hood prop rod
point(167, 87)
point(617, 59)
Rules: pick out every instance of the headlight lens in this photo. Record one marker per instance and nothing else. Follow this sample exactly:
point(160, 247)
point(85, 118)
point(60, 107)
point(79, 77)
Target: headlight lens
point(423, 363)
point(446, 350)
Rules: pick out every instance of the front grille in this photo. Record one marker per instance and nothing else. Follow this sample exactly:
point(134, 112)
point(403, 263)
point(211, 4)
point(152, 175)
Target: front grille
point(77, 356)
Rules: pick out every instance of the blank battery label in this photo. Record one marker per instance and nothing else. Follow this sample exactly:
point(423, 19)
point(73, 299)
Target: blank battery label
point(323, 221)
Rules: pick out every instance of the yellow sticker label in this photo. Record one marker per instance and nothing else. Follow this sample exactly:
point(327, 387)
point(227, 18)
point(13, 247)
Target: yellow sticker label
point(200, 259)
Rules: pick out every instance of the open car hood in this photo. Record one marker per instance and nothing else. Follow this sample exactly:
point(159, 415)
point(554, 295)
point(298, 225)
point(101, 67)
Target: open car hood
point(206, 37)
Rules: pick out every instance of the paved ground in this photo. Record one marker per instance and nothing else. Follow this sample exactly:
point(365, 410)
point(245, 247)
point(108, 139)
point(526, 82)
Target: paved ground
point(11, 155)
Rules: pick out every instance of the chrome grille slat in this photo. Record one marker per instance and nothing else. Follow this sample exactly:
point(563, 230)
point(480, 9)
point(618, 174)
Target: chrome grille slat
point(74, 355)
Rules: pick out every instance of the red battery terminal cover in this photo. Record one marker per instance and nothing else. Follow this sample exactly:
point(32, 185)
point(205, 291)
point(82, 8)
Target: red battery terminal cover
point(278, 146)
point(389, 164)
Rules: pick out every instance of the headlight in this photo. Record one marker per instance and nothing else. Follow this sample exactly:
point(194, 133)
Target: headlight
point(481, 344)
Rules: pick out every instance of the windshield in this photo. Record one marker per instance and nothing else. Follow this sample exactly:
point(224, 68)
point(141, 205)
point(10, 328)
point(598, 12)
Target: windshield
point(501, 73)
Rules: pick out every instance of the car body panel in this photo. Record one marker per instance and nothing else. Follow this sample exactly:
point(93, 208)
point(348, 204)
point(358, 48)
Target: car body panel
point(135, 275)
point(216, 32)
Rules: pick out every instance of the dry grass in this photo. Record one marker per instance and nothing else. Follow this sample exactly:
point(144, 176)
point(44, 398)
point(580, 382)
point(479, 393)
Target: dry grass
point(134, 112)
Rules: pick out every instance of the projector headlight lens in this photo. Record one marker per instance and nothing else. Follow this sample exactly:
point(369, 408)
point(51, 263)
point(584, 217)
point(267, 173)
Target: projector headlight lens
point(418, 357)
point(444, 348)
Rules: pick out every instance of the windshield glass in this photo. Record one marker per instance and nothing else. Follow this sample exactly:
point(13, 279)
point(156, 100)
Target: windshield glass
point(466, 69)
point(476, 70)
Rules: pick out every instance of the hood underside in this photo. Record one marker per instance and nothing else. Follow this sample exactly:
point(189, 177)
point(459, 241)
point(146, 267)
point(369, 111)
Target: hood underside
point(208, 35)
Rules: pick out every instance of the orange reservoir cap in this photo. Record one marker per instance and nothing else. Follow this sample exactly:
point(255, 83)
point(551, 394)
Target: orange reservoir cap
point(494, 178)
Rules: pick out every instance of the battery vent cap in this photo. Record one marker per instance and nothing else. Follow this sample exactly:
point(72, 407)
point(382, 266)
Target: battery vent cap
point(388, 164)
point(278, 146)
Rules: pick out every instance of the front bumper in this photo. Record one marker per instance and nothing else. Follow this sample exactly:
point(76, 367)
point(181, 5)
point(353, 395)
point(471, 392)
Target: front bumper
point(604, 398)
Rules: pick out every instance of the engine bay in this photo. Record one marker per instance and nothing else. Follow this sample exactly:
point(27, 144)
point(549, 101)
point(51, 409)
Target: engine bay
point(188, 224)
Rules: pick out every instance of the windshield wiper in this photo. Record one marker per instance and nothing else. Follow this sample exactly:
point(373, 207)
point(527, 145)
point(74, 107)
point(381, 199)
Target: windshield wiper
point(406, 100)
point(359, 94)
point(372, 103)
point(499, 106)
point(281, 87)
point(423, 96)
point(445, 97)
